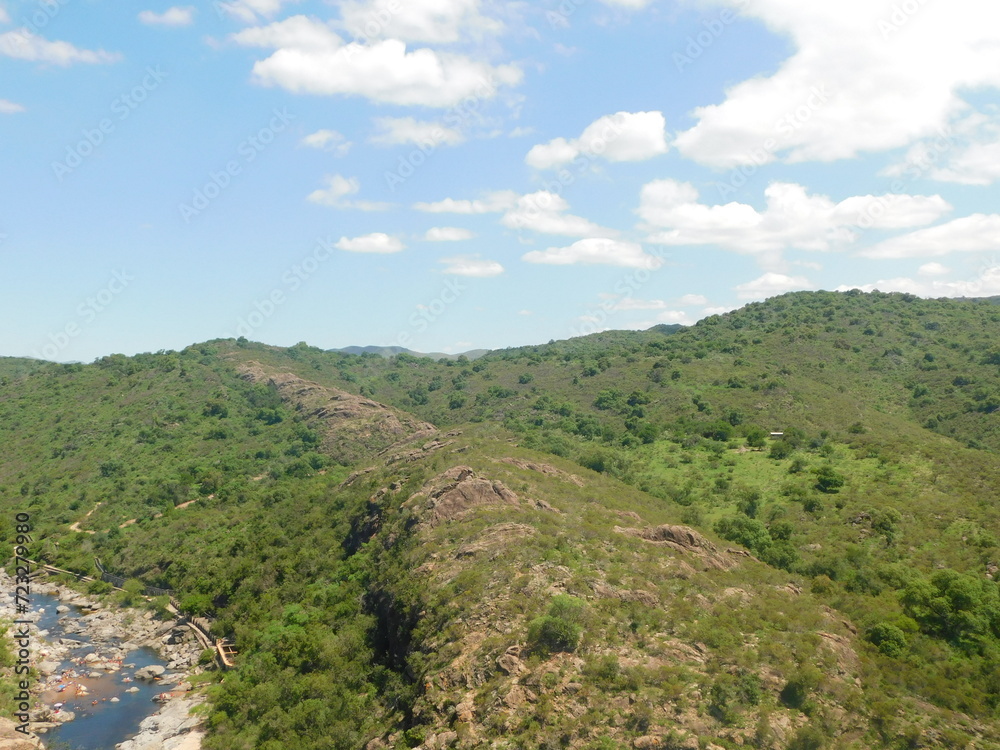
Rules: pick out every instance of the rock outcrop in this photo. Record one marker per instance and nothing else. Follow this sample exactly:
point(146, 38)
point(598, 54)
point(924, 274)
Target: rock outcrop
point(11, 739)
point(542, 468)
point(453, 492)
point(172, 728)
point(351, 425)
point(687, 540)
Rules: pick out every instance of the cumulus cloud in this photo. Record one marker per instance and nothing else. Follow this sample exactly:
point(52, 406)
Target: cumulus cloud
point(546, 212)
point(176, 16)
point(674, 317)
point(336, 191)
point(933, 269)
point(448, 234)
point(377, 242)
point(975, 233)
point(596, 251)
point(692, 300)
point(494, 202)
point(792, 219)
point(10, 108)
point(297, 32)
point(396, 131)
point(430, 21)
point(631, 303)
point(471, 266)
point(24, 44)
point(328, 140)
point(309, 58)
point(985, 284)
point(771, 284)
point(250, 11)
point(630, 4)
point(623, 136)
point(868, 59)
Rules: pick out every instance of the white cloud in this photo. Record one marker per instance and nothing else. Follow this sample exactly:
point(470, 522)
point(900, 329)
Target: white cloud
point(337, 189)
point(881, 89)
point(26, 45)
point(986, 284)
point(448, 234)
point(623, 136)
point(430, 21)
point(249, 11)
point(311, 59)
point(708, 311)
point(494, 202)
point(674, 317)
point(631, 4)
point(541, 211)
point(631, 303)
point(968, 153)
point(297, 32)
point(377, 242)
point(4, 16)
point(975, 233)
point(10, 108)
point(546, 212)
point(596, 251)
point(792, 219)
point(472, 266)
point(395, 131)
point(328, 140)
point(771, 284)
point(933, 269)
point(176, 16)
point(692, 300)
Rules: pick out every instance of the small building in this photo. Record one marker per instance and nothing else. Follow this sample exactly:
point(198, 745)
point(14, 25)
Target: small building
point(776, 435)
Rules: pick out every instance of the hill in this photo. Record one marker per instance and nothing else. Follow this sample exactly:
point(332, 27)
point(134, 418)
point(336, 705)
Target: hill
point(392, 351)
point(594, 543)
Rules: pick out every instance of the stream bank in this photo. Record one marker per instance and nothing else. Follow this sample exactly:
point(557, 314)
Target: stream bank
point(100, 667)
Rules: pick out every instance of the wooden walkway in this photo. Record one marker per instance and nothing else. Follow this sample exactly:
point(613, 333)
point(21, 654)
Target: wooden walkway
point(200, 626)
point(226, 652)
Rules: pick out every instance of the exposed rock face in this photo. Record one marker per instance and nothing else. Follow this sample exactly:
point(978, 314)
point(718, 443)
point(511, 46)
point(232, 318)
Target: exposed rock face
point(541, 468)
point(453, 492)
point(351, 424)
point(495, 538)
point(11, 739)
point(172, 728)
point(685, 539)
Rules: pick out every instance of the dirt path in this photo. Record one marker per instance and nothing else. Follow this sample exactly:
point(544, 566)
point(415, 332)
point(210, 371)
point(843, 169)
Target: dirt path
point(76, 526)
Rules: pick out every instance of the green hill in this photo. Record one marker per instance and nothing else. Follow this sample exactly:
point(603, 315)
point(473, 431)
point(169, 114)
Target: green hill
point(595, 543)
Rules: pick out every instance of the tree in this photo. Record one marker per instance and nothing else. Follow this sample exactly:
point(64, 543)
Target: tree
point(780, 449)
point(756, 438)
point(828, 480)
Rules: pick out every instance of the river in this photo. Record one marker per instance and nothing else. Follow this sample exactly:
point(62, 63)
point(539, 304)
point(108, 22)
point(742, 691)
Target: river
point(100, 725)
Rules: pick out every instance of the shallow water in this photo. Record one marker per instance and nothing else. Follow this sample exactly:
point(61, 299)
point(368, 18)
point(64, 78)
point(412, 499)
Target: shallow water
point(100, 726)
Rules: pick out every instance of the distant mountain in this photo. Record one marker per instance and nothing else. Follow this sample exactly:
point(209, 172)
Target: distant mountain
point(392, 351)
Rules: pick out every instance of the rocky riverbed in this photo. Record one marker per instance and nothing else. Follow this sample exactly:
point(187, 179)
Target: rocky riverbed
point(85, 654)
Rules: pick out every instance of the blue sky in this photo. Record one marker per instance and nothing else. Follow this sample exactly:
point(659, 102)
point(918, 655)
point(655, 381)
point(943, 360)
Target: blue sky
point(456, 174)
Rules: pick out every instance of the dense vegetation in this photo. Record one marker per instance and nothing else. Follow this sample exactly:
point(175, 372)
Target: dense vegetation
point(867, 617)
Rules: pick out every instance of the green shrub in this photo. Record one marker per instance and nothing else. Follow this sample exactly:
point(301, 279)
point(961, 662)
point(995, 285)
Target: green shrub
point(889, 639)
point(548, 634)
